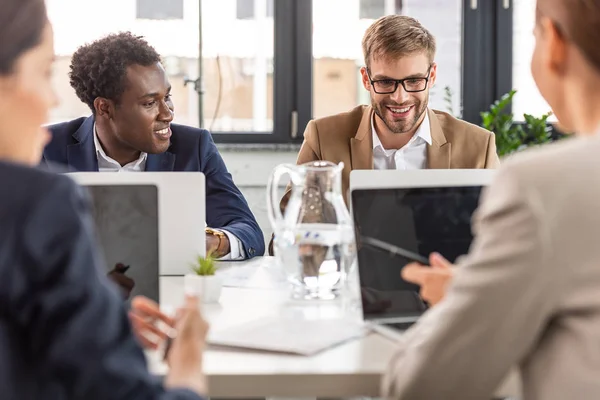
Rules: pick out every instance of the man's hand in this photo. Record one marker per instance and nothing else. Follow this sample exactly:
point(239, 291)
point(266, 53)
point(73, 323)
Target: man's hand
point(212, 245)
point(146, 319)
point(185, 355)
point(433, 280)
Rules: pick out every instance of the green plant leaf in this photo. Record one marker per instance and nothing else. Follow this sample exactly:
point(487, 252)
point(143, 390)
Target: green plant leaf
point(538, 130)
point(511, 137)
point(204, 266)
point(488, 120)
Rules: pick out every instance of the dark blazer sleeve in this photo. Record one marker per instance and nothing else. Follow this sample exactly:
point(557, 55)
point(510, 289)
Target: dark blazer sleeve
point(226, 207)
point(75, 322)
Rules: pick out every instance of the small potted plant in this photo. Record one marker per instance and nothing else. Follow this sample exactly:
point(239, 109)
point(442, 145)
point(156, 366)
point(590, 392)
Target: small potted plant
point(202, 281)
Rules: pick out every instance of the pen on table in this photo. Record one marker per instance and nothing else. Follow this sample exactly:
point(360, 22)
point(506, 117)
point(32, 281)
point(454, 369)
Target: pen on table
point(170, 331)
point(171, 335)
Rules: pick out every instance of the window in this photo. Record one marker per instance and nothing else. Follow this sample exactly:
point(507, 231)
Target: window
point(237, 66)
point(159, 9)
point(373, 9)
point(180, 56)
point(236, 92)
point(269, 67)
point(245, 9)
point(337, 53)
point(527, 99)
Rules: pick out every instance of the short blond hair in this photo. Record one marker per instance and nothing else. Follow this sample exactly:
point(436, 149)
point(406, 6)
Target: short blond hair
point(395, 36)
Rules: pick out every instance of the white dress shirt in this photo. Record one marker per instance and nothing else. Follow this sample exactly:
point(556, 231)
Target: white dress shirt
point(413, 155)
point(107, 164)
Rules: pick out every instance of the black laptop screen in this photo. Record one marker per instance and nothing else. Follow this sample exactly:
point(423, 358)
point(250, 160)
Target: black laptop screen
point(421, 220)
point(126, 218)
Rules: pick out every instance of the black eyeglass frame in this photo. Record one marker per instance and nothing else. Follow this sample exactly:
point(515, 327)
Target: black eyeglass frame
point(400, 82)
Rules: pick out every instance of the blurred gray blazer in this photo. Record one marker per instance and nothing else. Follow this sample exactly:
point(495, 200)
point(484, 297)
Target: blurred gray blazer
point(527, 295)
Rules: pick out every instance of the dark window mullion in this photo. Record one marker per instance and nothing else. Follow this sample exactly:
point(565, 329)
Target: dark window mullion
point(479, 58)
point(304, 65)
point(504, 48)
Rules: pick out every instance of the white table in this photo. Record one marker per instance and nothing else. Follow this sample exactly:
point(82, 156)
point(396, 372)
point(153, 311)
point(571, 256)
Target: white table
point(349, 370)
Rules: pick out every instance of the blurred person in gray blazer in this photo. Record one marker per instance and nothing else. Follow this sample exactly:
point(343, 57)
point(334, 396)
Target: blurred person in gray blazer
point(528, 293)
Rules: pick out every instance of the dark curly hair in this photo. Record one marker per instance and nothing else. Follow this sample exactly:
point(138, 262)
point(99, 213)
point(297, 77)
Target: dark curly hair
point(99, 69)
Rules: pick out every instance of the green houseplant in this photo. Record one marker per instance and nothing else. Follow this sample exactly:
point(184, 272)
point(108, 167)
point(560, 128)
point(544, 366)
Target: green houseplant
point(205, 266)
point(511, 137)
point(203, 281)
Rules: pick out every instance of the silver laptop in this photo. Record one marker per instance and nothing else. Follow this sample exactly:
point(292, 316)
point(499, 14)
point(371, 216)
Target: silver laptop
point(398, 216)
point(148, 224)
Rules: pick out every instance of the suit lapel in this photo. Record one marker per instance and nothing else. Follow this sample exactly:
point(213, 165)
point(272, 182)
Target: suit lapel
point(361, 146)
point(82, 155)
point(160, 162)
point(439, 152)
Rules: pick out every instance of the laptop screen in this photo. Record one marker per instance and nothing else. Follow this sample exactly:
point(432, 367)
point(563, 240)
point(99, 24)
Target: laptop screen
point(421, 220)
point(126, 219)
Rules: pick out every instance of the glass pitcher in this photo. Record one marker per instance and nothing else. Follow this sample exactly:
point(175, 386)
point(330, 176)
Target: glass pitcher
point(314, 236)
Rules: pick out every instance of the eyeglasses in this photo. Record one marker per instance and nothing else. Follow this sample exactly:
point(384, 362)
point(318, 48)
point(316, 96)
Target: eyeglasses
point(389, 86)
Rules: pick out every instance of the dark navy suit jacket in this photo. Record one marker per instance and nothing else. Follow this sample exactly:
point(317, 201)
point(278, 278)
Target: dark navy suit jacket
point(191, 149)
point(64, 330)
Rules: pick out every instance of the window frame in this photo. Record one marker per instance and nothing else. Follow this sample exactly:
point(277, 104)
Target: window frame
point(487, 55)
point(292, 65)
point(486, 67)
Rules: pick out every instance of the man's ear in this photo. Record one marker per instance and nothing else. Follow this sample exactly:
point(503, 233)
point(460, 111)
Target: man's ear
point(104, 108)
point(365, 78)
point(433, 75)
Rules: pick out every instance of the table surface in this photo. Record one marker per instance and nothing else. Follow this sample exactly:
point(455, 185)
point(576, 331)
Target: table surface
point(350, 369)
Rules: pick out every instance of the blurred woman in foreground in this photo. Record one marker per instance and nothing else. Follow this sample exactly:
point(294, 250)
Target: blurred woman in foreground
point(64, 333)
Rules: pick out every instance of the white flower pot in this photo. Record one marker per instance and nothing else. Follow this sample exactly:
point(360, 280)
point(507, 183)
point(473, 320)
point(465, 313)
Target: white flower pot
point(207, 288)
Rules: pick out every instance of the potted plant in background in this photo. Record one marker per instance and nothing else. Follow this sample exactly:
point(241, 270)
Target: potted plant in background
point(202, 281)
point(512, 137)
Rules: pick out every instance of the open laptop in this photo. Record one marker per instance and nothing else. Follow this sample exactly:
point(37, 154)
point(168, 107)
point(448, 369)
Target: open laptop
point(148, 224)
point(417, 211)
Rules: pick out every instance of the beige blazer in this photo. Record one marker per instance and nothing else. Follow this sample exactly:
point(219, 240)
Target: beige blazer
point(347, 137)
point(527, 295)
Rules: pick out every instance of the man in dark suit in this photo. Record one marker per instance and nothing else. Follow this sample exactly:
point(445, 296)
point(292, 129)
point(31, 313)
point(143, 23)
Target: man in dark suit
point(122, 80)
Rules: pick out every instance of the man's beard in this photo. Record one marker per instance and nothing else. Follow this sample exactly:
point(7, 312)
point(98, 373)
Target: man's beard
point(401, 126)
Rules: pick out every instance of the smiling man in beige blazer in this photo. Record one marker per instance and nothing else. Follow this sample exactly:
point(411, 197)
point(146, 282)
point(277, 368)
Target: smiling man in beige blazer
point(398, 130)
point(528, 292)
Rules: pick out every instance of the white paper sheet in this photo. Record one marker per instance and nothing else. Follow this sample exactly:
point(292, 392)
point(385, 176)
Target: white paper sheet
point(304, 337)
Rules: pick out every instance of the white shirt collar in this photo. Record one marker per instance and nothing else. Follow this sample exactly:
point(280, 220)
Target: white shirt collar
point(107, 164)
point(423, 132)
